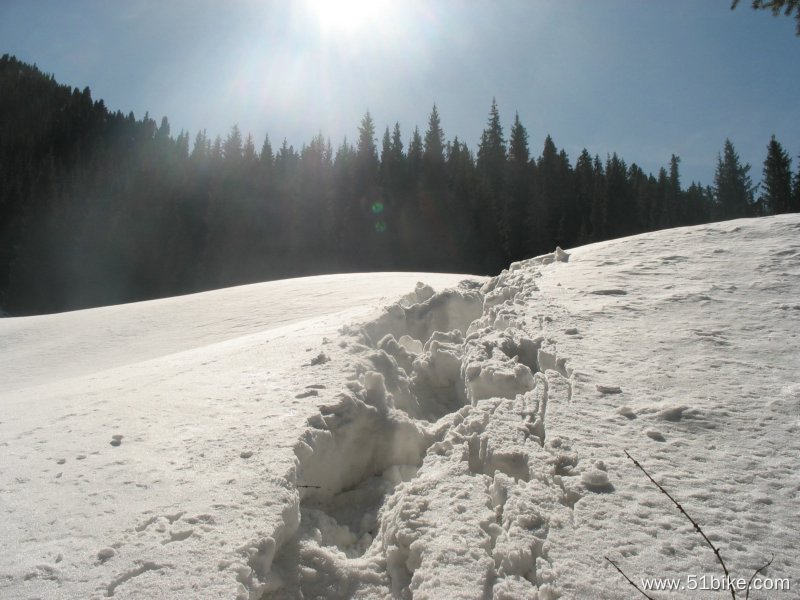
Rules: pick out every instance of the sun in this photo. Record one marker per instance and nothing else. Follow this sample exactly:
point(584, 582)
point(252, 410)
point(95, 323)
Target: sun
point(346, 16)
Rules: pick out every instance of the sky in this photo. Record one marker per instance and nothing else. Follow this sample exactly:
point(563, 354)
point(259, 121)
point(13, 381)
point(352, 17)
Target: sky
point(643, 79)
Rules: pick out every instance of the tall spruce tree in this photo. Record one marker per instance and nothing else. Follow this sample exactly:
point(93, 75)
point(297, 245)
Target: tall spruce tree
point(776, 195)
point(518, 195)
point(733, 188)
point(674, 210)
point(433, 153)
point(232, 148)
point(366, 154)
point(796, 190)
point(266, 157)
point(491, 165)
point(415, 158)
point(584, 194)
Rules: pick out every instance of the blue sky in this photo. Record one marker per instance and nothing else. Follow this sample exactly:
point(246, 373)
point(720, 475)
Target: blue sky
point(644, 79)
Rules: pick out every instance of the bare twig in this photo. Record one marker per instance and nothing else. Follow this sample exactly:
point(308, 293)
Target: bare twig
point(747, 596)
point(691, 520)
point(317, 487)
point(628, 578)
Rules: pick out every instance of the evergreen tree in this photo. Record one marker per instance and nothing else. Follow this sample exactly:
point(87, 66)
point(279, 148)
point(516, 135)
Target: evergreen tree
point(621, 217)
point(787, 7)
point(249, 151)
point(491, 165)
point(599, 209)
point(674, 210)
point(584, 194)
point(232, 148)
point(386, 155)
point(415, 157)
point(776, 197)
point(201, 148)
point(492, 151)
point(733, 189)
point(796, 190)
point(266, 157)
point(366, 154)
point(518, 196)
point(433, 153)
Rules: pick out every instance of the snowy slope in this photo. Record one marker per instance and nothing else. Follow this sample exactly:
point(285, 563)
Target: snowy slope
point(192, 384)
point(464, 444)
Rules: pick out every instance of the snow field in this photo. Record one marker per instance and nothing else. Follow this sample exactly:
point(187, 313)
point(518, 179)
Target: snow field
point(461, 444)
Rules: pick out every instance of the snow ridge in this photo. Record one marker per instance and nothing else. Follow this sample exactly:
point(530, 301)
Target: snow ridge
point(437, 454)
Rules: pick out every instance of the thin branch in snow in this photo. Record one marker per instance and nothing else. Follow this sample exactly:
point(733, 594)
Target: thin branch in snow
point(628, 578)
point(691, 520)
point(747, 596)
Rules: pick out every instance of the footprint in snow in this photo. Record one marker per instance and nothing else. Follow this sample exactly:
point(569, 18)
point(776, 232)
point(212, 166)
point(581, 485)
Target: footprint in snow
point(116, 440)
point(627, 412)
point(656, 435)
point(319, 359)
point(608, 389)
point(307, 393)
point(674, 413)
point(104, 554)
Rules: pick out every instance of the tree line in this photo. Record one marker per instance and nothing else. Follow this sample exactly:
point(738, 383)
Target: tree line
point(98, 207)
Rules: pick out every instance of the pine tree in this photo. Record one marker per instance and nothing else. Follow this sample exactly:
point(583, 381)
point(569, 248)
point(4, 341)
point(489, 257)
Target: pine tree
point(776, 197)
point(491, 166)
point(201, 148)
point(788, 7)
point(584, 193)
point(733, 189)
point(621, 217)
point(433, 153)
point(415, 158)
point(386, 156)
point(796, 191)
point(232, 148)
point(674, 210)
point(249, 151)
point(392, 161)
point(519, 191)
point(492, 151)
point(548, 210)
point(366, 154)
point(599, 205)
point(399, 176)
point(266, 157)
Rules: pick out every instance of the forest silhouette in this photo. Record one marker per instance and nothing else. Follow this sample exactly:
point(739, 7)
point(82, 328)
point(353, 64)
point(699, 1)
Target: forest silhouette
point(98, 207)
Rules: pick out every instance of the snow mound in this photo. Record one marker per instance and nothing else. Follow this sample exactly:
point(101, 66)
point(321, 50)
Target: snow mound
point(431, 476)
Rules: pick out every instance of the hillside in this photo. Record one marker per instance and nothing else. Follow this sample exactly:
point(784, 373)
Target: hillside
point(293, 439)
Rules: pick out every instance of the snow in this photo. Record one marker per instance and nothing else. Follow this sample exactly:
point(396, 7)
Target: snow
point(295, 439)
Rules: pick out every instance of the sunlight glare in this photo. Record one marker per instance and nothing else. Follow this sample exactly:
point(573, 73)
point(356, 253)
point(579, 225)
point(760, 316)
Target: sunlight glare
point(347, 16)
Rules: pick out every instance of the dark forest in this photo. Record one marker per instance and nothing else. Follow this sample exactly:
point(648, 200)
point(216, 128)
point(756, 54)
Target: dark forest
point(98, 207)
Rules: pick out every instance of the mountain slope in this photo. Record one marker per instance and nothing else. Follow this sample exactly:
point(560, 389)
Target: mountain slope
point(464, 444)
